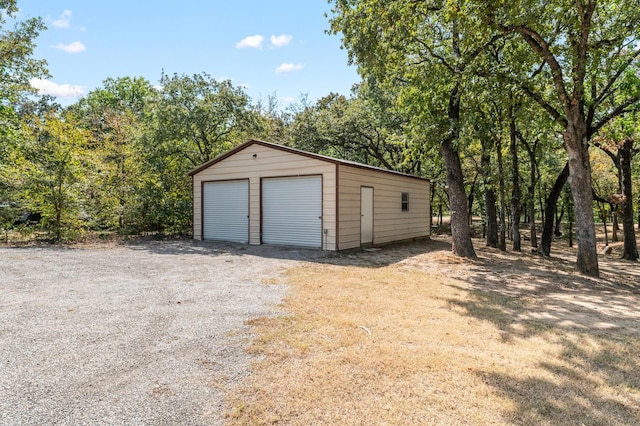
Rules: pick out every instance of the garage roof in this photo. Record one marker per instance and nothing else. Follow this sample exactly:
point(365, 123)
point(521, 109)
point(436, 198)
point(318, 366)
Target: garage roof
point(299, 152)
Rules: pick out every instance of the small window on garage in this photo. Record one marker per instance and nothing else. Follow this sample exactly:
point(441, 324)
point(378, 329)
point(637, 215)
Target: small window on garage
point(405, 201)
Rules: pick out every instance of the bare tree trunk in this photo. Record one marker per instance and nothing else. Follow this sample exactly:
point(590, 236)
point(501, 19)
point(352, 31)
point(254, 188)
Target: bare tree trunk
point(604, 223)
point(559, 217)
point(532, 217)
point(489, 195)
point(460, 230)
point(471, 199)
point(531, 192)
point(550, 211)
point(568, 203)
point(630, 244)
point(614, 222)
point(577, 146)
point(515, 189)
point(502, 243)
point(541, 202)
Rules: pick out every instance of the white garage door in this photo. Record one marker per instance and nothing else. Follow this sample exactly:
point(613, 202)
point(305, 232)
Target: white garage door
point(225, 211)
point(292, 211)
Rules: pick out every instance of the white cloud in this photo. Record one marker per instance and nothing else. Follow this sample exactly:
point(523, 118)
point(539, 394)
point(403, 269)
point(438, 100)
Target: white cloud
point(75, 47)
point(287, 99)
point(281, 40)
point(251, 41)
point(288, 68)
point(64, 21)
point(48, 87)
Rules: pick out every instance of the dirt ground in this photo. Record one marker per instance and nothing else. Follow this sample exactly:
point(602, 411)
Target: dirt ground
point(410, 334)
point(562, 296)
point(157, 332)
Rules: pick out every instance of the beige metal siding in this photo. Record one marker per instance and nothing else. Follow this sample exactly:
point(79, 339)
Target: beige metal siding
point(256, 162)
point(390, 222)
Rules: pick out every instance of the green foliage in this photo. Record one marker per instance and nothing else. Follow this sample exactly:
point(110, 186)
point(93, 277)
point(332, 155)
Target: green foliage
point(52, 174)
point(444, 72)
point(197, 118)
point(9, 198)
point(17, 67)
point(117, 116)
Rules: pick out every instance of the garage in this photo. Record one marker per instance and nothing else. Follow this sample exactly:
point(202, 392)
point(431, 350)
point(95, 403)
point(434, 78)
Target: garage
point(266, 193)
point(225, 211)
point(292, 211)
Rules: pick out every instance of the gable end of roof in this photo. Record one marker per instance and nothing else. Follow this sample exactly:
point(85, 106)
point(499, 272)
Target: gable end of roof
point(298, 152)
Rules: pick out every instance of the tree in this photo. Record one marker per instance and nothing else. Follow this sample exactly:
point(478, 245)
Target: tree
point(17, 67)
point(516, 192)
point(53, 171)
point(198, 118)
point(116, 115)
point(586, 48)
point(618, 141)
point(427, 50)
point(551, 203)
point(193, 119)
point(365, 128)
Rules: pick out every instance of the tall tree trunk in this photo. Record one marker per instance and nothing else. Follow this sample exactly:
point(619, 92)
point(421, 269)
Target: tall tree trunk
point(532, 216)
point(577, 146)
point(460, 230)
point(531, 192)
point(515, 189)
point(489, 194)
point(630, 244)
point(471, 199)
point(557, 231)
point(502, 243)
point(606, 234)
point(550, 211)
point(570, 216)
point(614, 222)
point(541, 202)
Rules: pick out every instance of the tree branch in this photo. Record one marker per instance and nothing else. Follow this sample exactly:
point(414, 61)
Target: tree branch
point(541, 47)
point(619, 110)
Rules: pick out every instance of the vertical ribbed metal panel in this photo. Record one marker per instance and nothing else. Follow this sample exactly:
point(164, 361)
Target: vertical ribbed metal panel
point(292, 211)
point(225, 207)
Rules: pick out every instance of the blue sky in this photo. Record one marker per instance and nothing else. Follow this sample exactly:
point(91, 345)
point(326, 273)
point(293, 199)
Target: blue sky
point(268, 47)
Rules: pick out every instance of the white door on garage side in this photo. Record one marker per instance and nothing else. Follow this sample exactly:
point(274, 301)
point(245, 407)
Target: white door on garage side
point(366, 215)
point(225, 211)
point(292, 211)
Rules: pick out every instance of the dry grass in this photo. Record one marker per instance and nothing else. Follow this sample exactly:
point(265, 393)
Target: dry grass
point(415, 336)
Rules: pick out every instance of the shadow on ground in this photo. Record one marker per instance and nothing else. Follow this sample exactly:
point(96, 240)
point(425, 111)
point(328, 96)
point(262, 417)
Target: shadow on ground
point(594, 378)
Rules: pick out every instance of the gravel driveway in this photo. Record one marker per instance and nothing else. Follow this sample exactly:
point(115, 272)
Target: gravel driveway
point(148, 333)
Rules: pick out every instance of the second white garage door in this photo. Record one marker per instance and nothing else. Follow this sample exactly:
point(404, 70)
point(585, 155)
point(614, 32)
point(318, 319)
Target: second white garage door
point(225, 211)
point(292, 211)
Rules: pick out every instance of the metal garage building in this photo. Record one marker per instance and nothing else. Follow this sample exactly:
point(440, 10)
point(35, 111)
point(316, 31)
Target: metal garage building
point(264, 193)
